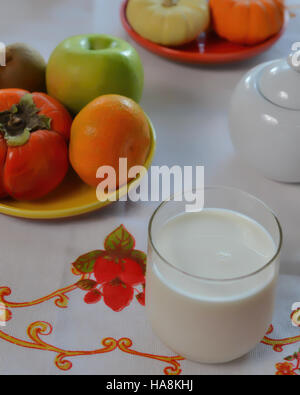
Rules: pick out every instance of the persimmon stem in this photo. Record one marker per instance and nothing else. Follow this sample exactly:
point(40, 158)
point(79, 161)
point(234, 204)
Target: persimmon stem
point(22, 119)
point(169, 3)
point(15, 123)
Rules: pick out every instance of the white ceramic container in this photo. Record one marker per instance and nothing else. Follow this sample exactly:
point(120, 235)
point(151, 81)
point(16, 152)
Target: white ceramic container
point(265, 119)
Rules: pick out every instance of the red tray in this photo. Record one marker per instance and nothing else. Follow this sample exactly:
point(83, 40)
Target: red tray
point(207, 49)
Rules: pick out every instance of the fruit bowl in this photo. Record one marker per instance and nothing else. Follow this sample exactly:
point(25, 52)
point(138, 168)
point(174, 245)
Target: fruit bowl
point(71, 198)
point(207, 49)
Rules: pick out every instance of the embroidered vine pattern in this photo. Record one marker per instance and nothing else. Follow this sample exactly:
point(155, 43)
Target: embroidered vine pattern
point(113, 275)
point(279, 344)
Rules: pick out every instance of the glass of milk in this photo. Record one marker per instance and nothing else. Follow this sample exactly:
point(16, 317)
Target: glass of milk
point(212, 275)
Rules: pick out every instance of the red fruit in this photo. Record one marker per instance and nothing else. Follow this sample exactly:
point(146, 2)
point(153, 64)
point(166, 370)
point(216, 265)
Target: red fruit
point(93, 296)
point(117, 295)
point(106, 270)
point(132, 273)
point(34, 153)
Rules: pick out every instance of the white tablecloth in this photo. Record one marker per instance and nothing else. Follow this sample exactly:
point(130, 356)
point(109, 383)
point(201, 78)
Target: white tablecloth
point(188, 106)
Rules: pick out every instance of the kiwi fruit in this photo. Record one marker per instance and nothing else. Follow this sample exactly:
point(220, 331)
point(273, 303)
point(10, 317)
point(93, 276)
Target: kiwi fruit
point(25, 69)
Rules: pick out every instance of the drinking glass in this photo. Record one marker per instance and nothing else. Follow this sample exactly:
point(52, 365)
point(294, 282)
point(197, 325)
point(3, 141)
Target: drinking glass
point(205, 319)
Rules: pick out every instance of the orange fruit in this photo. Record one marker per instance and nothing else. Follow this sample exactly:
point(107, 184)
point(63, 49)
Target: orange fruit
point(107, 129)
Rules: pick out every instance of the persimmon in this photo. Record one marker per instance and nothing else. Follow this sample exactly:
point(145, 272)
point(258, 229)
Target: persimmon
point(107, 129)
point(34, 130)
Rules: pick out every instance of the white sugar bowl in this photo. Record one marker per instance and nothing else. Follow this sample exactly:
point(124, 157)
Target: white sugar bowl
point(265, 119)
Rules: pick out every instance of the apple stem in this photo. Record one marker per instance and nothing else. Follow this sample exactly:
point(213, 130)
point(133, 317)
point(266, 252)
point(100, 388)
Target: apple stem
point(169, 3)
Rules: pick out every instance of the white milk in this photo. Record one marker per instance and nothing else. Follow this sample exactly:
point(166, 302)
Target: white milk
point(211, 321)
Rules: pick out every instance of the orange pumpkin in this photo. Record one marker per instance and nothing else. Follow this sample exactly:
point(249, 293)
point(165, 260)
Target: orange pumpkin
point(247, 21)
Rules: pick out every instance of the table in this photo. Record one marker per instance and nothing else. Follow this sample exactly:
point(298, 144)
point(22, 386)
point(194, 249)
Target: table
point(188, 106)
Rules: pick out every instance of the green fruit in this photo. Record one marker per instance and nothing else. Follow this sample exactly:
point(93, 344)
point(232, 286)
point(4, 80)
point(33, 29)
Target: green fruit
point(84, 67)
point(25, 69)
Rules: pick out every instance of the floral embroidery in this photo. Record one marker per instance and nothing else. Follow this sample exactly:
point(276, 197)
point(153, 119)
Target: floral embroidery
point(113, 275)
point(114, 272)
point(295, 317)
point(291, 367)
point(285, 369)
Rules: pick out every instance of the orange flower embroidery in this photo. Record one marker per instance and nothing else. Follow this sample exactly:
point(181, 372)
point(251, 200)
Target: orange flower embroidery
point(285, 369)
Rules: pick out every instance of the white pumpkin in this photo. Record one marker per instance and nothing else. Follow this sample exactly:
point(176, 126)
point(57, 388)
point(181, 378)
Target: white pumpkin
point(168, 22)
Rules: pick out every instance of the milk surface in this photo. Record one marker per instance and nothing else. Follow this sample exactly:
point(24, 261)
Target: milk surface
point(215, 243)
point(203, 320)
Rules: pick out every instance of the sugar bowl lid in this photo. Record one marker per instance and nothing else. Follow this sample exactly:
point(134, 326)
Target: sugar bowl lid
point(279, 82)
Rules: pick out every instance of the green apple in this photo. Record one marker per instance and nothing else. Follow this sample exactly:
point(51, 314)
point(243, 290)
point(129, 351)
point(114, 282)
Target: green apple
point(84, 67)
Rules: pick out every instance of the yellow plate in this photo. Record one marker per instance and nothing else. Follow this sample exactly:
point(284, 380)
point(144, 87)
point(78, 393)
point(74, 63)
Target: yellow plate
point(71, 198)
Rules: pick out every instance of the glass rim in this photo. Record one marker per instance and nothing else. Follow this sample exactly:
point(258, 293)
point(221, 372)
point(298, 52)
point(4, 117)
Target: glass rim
point(246, 194)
